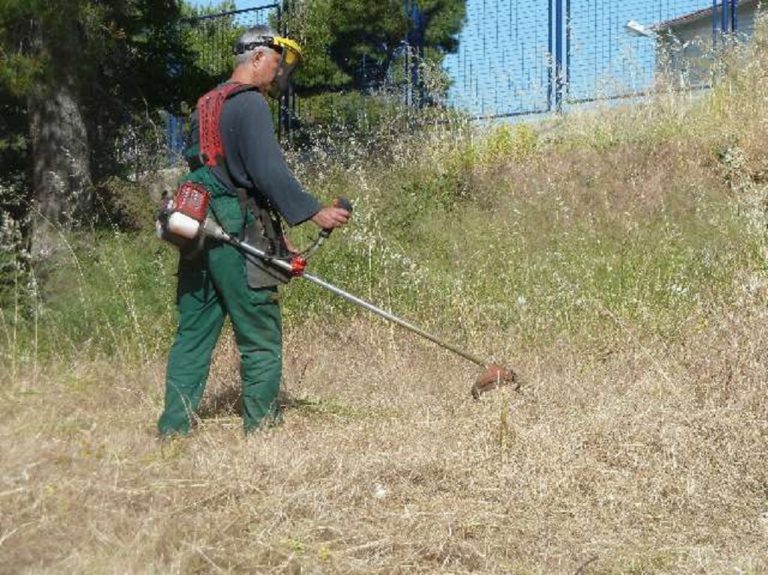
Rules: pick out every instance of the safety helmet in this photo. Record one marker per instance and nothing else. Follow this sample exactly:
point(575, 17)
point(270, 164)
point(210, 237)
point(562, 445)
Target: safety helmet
point(290, 57)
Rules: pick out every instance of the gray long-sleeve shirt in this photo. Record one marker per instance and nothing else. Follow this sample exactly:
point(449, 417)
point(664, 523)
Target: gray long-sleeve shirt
point(254, 158)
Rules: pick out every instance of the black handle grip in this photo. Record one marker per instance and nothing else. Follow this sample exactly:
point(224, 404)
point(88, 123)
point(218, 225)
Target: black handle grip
point(342, 203)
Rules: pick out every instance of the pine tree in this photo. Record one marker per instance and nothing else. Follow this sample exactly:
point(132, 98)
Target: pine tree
point(73, 71)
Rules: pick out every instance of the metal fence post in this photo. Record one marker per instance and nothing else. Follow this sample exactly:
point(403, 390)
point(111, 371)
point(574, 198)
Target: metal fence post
point(407, 51)
point(550, 51)
point(282, 100)
point(414, 53)
point(714, 23)
point(559, 52)
point(567, 46)
point(729, 16)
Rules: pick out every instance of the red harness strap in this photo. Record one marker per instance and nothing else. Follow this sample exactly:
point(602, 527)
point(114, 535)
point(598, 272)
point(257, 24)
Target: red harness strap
point(209, 108)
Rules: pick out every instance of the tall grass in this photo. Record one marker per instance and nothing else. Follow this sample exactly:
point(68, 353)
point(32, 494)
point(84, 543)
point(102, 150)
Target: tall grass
point(633, 218)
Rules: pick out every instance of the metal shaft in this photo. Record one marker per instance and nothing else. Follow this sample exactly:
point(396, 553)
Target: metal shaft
point(357, 301)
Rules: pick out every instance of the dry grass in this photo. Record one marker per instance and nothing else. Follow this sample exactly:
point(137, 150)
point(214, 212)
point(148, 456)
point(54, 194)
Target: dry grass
point(635, 461)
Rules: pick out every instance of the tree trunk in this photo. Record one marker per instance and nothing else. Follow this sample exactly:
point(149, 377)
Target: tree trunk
point(61, 174)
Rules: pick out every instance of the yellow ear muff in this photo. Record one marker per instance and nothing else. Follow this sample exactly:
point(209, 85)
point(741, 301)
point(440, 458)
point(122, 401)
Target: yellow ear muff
point(291, 50)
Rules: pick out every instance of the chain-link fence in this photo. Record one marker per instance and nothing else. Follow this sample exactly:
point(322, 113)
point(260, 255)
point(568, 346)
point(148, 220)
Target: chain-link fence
point(212, 38)
point(519, 58)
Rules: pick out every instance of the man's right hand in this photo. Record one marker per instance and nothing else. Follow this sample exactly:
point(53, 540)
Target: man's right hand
point(331, 217)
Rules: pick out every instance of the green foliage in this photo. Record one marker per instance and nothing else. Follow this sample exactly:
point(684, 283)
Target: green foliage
point(18, 73)
point(127, 204)
point(116, 58)
point(14, 198)
point(506, 143)
point(310, 24)
point(124, 48)
point(353, 76)
point(366, 38)
point(13, 151)
point(421, 245)
point(13, 276)
point(355, 44)
point(110, 294)
point(544, 279)
point(362, 118)
point(350, 109)
point(210, 42)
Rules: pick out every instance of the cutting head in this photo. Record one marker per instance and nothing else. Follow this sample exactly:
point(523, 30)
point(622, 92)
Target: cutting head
point(493, 377)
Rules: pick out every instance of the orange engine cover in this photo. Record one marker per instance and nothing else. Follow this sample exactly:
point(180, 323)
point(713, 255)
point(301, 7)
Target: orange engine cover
point(192, 199)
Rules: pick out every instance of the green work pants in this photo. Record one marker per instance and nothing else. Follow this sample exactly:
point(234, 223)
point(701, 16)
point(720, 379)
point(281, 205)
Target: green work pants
point(212, 286)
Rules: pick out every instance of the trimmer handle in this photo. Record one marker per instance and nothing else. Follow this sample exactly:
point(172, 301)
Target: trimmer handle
point(342, 203)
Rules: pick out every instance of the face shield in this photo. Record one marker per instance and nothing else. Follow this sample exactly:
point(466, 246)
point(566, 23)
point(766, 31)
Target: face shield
point(290, 57)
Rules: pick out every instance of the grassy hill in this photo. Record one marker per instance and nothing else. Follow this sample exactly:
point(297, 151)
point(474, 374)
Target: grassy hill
point(615, 258)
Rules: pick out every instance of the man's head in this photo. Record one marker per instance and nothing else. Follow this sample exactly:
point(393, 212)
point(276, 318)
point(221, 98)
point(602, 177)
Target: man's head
point(266, 60)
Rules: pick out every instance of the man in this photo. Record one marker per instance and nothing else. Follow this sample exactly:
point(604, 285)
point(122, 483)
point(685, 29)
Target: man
point(235, 156)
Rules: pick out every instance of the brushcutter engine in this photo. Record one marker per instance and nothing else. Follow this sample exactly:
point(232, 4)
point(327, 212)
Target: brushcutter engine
point(183, 222)
point(182, 217)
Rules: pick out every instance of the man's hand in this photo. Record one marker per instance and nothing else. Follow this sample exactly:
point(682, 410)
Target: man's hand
point(330, 218)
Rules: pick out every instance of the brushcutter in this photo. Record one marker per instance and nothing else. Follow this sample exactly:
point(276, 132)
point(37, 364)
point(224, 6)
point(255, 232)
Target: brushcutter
point(493, 375)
